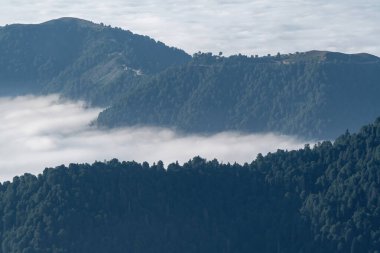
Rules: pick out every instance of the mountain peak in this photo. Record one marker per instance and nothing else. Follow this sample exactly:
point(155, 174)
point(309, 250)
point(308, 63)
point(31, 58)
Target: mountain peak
point(70, 21)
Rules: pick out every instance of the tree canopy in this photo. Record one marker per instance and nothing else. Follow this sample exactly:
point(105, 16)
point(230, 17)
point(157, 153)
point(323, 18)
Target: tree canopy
point(317, 199)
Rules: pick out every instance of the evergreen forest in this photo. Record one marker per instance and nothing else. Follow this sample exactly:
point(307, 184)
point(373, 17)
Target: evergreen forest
point(318, 199)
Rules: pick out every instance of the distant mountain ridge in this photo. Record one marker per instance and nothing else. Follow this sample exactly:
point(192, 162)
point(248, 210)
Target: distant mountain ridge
point(79, 59)
point(327, 56)
point(315, 94)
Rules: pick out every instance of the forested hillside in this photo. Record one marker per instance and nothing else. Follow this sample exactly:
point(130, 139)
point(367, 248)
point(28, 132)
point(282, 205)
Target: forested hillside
point(321, 199)
point(314, 95)
point(79, 59)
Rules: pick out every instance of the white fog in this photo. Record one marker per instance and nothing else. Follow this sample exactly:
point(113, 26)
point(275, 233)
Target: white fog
point(39, 132)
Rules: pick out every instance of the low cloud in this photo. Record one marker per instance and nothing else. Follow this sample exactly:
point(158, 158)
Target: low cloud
point(39, 132)
point(243, 26)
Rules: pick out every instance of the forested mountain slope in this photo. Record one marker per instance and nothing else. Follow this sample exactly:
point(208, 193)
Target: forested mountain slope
point(78, 59)
point(323, 199)
point(314, 94)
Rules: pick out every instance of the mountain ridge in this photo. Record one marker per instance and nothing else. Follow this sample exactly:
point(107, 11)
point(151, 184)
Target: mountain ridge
point(331, 56)
point(308, 98)
point(73, 56)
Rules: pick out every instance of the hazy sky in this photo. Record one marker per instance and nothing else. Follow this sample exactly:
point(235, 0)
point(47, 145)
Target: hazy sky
point(230, 26)
point(39, 132)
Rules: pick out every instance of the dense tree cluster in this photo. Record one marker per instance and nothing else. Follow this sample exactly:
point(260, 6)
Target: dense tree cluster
point(318, 199)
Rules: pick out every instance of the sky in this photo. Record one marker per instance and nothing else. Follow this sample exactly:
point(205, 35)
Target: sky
point(40, 132)
point(231, 26)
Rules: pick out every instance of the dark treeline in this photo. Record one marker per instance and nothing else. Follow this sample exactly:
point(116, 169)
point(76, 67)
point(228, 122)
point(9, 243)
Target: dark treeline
point(320, 199)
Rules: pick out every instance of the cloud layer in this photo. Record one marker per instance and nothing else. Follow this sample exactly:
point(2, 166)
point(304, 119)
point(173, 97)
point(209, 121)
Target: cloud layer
point(39, 132)
point(239, 26)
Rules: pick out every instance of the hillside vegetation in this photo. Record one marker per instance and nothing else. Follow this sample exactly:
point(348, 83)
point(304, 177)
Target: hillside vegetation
point(79, 59)
point(313, 95)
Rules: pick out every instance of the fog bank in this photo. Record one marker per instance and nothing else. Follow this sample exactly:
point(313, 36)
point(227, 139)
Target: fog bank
point(239, 26)
point(39, 132)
